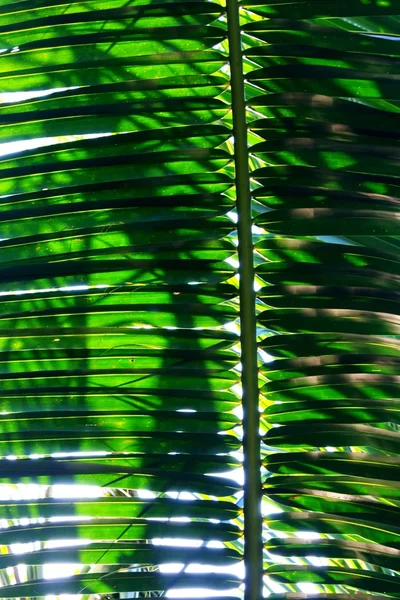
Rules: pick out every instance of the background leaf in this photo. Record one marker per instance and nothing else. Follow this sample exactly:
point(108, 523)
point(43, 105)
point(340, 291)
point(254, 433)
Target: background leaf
point(323, 106)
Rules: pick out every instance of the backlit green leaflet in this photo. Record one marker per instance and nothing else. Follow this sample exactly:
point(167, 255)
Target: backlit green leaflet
point(199, 281)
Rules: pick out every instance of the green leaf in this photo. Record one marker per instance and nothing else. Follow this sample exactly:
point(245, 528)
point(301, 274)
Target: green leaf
point(347, 525)
point(322, 115)
point(93, 583)
point(118, 370)
point(361, 579)
point(124, 553)
point(305, 9)
point(376, 554)
point(121, 507)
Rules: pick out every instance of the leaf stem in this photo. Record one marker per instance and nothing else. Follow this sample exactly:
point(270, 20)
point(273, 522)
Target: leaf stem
point(251, 417)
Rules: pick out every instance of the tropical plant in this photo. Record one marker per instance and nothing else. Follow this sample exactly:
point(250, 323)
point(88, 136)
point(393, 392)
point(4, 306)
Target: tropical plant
point(199, 280)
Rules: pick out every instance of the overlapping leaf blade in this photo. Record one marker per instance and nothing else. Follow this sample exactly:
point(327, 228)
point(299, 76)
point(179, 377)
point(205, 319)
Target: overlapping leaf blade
point(117, 367)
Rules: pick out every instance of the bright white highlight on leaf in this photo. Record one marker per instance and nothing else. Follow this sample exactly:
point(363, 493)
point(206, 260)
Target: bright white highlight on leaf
point(214, 544)
point(197, 593)
point(70, 519)
point(237, 389)
point(78, 454)
point(233, 327)
point(23, 548)
point(265, 356)
point(59, 570)
point(8, 97)
point(177, 542)
point(236, 475)
point(318, 561)
point(186, 496)
point(233, 262)
point(238, 412)
point(308, 535)
point(308, 588)
point(77, 491)
point(20, 146)
point(71, 288)
point(146, 494)
point(205, 569)
point(171, 568)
